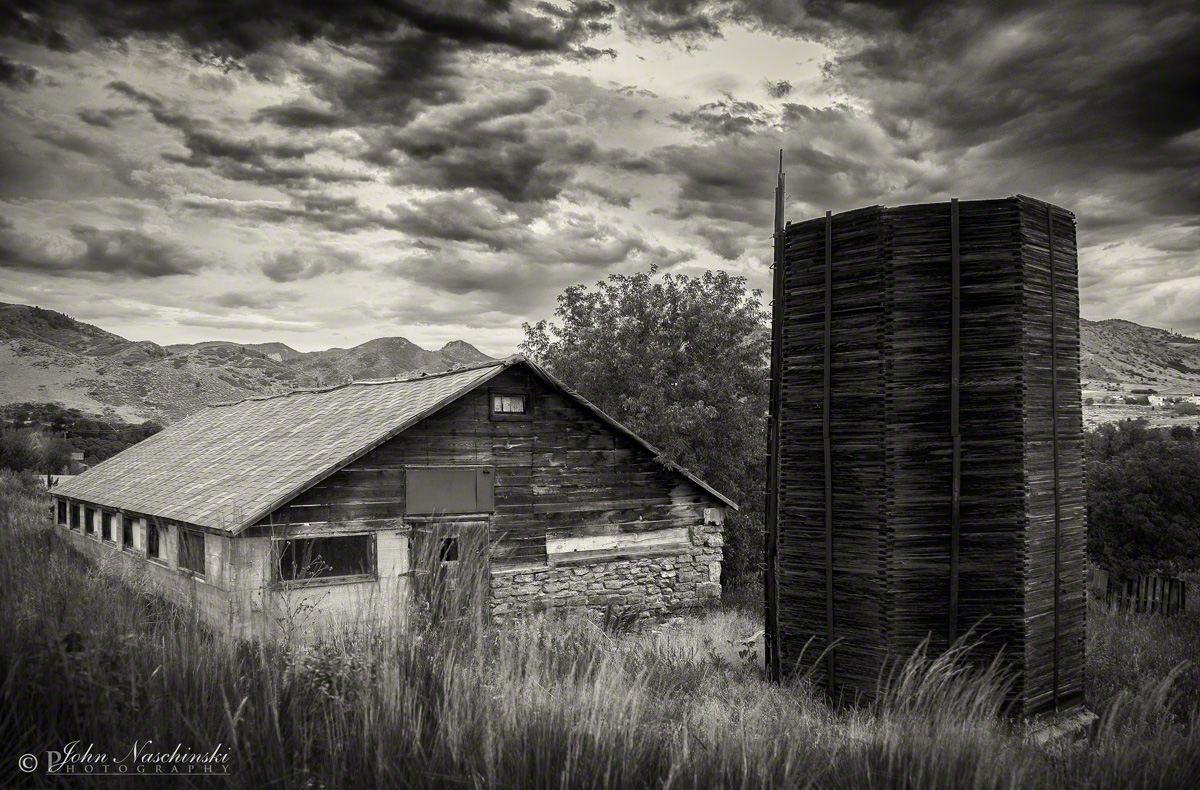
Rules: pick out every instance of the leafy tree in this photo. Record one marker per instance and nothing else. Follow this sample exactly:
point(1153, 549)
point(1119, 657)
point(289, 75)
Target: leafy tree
point(683, 361)
point(1143, 500)
point(18, 450)
point(1182, 433)
point(56, 455)
point(26, 449)
point(97, 437)
point(1112, 439)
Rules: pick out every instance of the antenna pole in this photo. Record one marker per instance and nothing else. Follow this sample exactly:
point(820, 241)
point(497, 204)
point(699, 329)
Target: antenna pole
point(771, 548)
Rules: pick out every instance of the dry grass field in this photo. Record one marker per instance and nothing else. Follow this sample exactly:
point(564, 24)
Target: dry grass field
point(550, 702)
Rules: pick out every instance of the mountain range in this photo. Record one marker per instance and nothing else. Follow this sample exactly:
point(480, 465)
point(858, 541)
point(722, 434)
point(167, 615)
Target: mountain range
point(49, 357)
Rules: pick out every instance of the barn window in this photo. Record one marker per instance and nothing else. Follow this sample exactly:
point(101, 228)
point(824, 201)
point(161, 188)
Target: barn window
point(106, 526)
point(335, 557)
point(89, 521)
point(446, 490)
point(449, 550)
point(75, 517)
point(191, 551)
point(126, 533)
point(153, 542)
point(62, 512)
point(510, 405)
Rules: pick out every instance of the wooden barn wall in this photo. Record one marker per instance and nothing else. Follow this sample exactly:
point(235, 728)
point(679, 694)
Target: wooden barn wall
point(562, 473)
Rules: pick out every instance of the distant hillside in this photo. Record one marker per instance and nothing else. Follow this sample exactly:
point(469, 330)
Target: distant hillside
point(49, 357)
point(384, 358)
point(280, 352)
point(1122, 352)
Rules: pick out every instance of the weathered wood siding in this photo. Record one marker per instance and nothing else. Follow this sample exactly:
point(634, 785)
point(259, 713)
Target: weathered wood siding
point(930, 444)
point(561, 474)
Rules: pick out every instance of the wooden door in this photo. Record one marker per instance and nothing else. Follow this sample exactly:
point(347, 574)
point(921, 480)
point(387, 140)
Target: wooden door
point(451, 565)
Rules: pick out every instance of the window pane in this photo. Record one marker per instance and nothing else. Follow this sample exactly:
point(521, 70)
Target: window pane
point(75, 517)
point(127, 532)
point(325, 558)
point(106, 526)
point(153, 548)
point(191, 551)
point(62, 512)
point(89, 521)
point(508, 404)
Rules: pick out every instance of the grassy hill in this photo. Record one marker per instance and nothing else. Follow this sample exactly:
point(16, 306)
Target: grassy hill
point(49, 357)
point(1122, 352)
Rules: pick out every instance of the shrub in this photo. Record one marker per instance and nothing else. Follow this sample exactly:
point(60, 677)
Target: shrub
point(1143, 500)
point(1186, 409)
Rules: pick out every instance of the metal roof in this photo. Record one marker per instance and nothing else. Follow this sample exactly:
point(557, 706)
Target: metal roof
point(227, 466)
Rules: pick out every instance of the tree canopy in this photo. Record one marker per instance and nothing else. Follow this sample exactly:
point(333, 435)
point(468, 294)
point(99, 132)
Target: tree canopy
point(683, 362)
point(1143, 499)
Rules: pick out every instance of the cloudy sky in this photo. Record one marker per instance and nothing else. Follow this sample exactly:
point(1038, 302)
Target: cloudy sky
point(323, 173)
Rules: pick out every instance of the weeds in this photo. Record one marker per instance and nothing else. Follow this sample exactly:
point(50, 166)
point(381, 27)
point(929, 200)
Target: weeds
point(563, 702)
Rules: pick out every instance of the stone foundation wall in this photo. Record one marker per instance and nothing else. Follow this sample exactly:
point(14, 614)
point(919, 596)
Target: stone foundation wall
point(653, 585)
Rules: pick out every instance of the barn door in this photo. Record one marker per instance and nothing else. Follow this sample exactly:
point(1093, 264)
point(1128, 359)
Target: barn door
point(450, 560)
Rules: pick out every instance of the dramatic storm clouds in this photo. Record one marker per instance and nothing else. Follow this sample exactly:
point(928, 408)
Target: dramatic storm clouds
point(323, 173)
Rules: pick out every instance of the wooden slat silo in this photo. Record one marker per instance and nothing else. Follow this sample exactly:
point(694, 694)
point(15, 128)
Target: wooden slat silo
point(928, 443)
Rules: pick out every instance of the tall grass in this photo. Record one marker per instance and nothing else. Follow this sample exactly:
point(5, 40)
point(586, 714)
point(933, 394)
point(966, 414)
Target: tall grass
point(543, 702)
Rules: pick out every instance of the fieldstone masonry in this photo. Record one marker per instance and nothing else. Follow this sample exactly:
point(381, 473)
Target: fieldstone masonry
point(652, 586)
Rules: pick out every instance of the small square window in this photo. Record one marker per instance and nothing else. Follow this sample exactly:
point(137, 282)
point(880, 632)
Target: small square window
point(509, 405)
point(449, 550)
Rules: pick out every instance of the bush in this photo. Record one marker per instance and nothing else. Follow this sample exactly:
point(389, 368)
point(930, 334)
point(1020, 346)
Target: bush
point(1143, 500)
point(1186, 409)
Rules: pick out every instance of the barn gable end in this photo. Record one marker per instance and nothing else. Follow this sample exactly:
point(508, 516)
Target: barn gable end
point(569, 491)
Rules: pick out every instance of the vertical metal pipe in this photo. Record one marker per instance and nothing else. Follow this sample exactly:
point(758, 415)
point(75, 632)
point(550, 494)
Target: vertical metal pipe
point(828, 448)
point(955, 439)
point(1054, 432)
point(771, 548)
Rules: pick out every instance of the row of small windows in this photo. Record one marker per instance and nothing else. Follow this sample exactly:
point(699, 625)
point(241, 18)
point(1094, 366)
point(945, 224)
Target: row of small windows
point(190, 543)
point(342, 557)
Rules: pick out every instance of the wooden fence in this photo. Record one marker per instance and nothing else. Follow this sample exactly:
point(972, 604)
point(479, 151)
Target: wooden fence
point(1153, 594)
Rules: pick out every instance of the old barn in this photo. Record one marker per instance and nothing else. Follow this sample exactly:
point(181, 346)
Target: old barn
point(318, 500)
